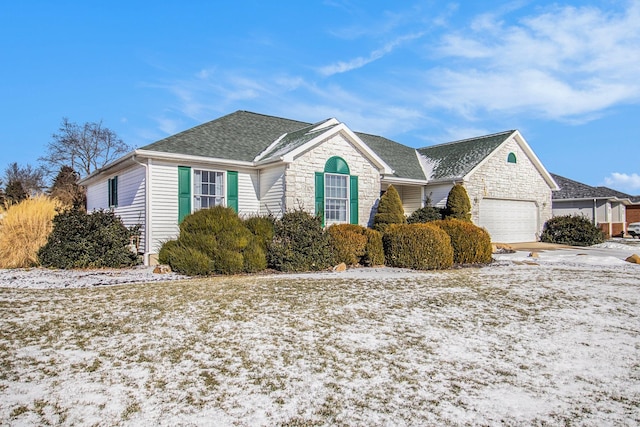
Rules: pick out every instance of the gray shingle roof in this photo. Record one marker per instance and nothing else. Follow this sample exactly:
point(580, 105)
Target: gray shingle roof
point(244, 135)
point(293, 140)
point(238, 136)
point(454, 160)
point(570, 189)
point(402, 159)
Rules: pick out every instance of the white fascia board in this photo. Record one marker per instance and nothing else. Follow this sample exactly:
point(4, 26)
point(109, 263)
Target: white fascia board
point(370, 154)
point(537, 163)
point(113, 165)
point(269, 148)
point(405, 181)
point(159, 155)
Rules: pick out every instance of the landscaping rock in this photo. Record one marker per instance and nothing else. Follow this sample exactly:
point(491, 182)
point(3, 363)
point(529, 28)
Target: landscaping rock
point(162, 269)
point(634, 259)
point(502, 248)
point(340, 267)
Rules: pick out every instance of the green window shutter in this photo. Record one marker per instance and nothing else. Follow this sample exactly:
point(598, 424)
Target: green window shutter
point(320, 195)
point(113, 192)
point(110, 191)
point(232, 190)
point(184, 192)
point(353, 199)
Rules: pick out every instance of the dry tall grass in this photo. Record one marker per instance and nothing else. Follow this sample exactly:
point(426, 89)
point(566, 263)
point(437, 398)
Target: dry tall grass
point(24, 229)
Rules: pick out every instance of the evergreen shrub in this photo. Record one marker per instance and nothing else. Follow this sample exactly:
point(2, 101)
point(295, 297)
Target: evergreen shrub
point(88, 240)
point(426, 214)
point(374, 249)
point(390, 210)
point(571, 230)
point(219, 241)
point(262, 228)
point(299, 244)
point(458, 204)
point(187, 260)
point(471, 244)
point(417, 246)
point(348, 243)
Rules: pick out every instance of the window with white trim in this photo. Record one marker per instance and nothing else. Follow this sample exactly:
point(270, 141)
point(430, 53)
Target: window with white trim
point(336, 201)
point(208, 189)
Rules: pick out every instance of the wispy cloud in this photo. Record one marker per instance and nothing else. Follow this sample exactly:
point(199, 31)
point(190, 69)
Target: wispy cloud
point(626, 182)
point(361, 61)
point(563, 63)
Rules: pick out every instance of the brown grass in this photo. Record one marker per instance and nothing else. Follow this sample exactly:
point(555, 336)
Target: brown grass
point(24, 228)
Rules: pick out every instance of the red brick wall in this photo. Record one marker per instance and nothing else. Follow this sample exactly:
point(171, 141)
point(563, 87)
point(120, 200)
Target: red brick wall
point(616, 228)
point(633, 214)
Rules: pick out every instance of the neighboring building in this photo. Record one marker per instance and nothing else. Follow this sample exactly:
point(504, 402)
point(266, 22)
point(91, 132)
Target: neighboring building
point(260, 164)
point(606, 208)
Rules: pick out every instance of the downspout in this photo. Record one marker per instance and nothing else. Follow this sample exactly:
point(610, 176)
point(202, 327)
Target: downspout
point(147, 211)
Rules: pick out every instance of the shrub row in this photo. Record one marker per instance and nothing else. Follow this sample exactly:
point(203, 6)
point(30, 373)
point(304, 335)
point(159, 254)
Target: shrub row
point(217, 241)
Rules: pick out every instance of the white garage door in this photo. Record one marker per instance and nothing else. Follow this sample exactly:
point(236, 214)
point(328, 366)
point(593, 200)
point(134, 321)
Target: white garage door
point(509, 221)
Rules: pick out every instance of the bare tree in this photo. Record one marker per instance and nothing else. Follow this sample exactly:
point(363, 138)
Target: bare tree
point(29, 179)
point(85, 148)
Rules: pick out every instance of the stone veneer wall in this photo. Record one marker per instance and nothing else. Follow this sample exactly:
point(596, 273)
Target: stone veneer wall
point(498, 179)
point(300, 176)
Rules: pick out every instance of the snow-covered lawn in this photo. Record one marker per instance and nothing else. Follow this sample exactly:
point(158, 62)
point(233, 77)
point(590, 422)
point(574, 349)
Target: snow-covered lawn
point(521, 342)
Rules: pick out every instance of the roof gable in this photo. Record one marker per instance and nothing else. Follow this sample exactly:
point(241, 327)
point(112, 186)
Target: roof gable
point(455, 160)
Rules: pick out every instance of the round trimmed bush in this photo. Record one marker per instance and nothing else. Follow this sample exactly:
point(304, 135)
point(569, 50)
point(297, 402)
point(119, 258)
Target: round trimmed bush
point(417, 246)
point(185, 260)
point(471, 244)
point(348, 243)
point(219, 242)
point(571, 230)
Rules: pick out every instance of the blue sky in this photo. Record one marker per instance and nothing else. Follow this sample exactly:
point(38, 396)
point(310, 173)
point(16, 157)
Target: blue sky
point(566, 73)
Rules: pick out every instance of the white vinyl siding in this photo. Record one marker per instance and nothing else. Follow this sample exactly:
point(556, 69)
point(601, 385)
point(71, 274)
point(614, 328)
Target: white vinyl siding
point(438, 194)
point(248, 193)
point(131, 198)
point(272, 191)
point(164, 201)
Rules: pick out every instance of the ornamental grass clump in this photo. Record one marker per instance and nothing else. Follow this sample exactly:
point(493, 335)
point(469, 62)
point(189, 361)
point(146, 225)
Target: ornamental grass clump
point(24, 229)
point(471, 244)
point(417, 246)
